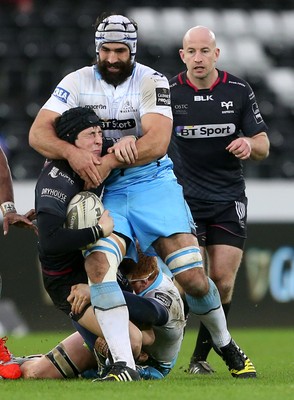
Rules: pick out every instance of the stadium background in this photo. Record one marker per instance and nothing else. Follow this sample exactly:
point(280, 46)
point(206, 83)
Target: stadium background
point(41, 41)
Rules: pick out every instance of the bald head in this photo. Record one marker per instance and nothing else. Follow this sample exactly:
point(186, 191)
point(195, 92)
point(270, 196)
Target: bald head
point(200, 55)
point(199, 34)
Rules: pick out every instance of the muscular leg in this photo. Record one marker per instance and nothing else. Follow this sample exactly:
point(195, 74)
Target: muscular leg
point(224, 262)
point(79, 359)
point(109, 305)
point(89, 322)
point(182, 255)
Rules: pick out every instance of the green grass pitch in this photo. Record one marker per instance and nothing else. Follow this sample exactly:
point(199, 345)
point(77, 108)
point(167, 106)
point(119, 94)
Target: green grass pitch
point(271, 351)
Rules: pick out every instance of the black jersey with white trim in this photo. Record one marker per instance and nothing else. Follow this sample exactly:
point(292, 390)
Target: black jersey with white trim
point(205, 122)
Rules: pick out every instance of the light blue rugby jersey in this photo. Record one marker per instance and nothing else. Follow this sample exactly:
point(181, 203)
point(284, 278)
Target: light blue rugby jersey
point(120, 108)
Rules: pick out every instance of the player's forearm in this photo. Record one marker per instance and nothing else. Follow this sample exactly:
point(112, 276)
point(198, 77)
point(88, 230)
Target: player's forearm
point(56, 240)
point(42, 137)
point(146, 154)
point(151, 149)
point(45, 142)
point(259, 146)
point(6, 189)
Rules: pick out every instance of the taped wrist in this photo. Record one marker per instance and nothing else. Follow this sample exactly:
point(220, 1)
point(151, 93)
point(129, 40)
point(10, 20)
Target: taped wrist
point(8, 207)
point(97, 232)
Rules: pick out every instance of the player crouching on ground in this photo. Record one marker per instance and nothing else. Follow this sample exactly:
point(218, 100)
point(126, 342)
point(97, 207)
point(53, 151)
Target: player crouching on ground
point(158, 311)
point(156, 308)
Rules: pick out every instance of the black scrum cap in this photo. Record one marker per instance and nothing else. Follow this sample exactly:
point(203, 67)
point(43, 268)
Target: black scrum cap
point(73, 121)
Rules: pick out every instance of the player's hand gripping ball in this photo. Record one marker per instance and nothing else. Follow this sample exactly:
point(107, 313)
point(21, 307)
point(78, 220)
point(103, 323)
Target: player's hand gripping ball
point(84, 210)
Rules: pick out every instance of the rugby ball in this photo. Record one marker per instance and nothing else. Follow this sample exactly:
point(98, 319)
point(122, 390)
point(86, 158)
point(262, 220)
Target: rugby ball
point(84, 210)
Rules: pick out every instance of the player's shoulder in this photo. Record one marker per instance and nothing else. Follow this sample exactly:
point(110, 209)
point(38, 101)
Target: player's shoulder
point(233, 80)
point(178, 80)
point(60, 170)
point(144, 72)
point(167, 285)
point(174, 80)
point(86, 70)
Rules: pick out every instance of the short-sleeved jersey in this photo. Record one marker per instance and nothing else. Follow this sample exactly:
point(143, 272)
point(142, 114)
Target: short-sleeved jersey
point(168, 338)
point(56, 186)
point(205, 122)
point(121, 107)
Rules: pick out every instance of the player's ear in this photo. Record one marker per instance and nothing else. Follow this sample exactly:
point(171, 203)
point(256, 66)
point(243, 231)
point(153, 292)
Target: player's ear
point(217, 53)
point(181, 53)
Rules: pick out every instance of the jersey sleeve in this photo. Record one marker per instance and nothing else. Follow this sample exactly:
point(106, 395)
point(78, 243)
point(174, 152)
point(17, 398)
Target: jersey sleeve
point(252, 121)
point(55, 239)
point(155, 95)
point(54, 190)
point(161, 297)
point(65, 94)
point(145, 311)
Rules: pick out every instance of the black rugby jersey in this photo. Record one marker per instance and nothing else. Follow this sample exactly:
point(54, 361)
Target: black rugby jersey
point(205, 122)
point(56, 186)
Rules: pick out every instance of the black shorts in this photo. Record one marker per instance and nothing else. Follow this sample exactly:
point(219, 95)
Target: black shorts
point(59, 287)
point(221, 223)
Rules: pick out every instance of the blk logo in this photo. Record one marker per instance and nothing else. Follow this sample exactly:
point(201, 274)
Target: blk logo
point(203, 98)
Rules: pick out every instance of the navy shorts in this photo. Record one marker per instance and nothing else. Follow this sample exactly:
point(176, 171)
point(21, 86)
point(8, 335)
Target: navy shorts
point(59, 287)
point(221, 223)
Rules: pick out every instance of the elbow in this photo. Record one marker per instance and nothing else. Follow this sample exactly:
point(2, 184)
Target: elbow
point(32, 139)
point(265, 153)
point(261, 149)
point(49, 245)
point(267, 149)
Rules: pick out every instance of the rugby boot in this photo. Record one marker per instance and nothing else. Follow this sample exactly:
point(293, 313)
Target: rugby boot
point(119, 372)
point(199, 367)
point(9, 369)
point(238, 363)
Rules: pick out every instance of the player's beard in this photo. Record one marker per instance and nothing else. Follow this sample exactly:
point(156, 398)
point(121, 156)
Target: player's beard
point(115, 78)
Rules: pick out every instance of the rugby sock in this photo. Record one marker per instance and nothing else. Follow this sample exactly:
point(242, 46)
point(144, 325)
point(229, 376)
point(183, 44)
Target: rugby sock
point(211, 314)
point(204, 342)
point(215, 322)
point(113, 317)
point(203, 305)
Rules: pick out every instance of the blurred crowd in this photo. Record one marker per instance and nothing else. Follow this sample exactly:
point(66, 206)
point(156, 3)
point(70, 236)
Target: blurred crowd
point(41, 41)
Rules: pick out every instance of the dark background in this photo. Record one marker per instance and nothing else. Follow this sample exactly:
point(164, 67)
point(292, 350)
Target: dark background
point(41, 41)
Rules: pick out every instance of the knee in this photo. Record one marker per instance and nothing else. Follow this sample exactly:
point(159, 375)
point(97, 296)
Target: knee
point(29, 370)
point(194, 282)
point(225, 286)
point(225, 290)
point(107, 253)
point(136, 340)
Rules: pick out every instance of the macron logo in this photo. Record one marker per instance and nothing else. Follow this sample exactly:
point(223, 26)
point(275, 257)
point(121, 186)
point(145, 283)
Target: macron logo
point(61, 94)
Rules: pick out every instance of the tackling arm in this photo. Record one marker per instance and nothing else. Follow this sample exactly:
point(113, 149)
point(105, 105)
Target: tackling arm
point(42, 137)
point(151, 146)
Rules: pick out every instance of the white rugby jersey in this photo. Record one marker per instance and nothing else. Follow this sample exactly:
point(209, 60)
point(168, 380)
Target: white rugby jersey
point(168, 338)
point(121, 107)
